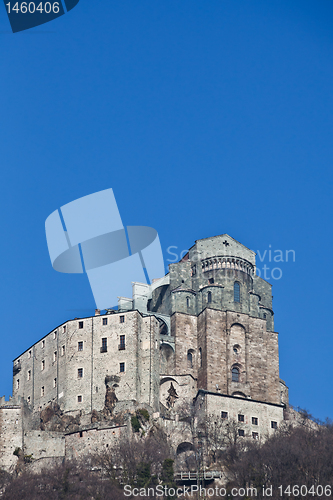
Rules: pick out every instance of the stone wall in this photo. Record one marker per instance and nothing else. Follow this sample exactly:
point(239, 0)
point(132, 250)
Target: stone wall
point(10, 434)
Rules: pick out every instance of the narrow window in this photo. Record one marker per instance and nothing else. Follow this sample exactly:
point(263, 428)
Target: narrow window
point(241, 432)
point(80, 324)
point(81, 433)
point(274, 425)
point(42, 391)
point(122, 319)
point(255, 435)
point(254, 421)
point(224, 414)
point(211, 281)
point(240, 418)
point(236, 291)
point(79, 372)
point(54, 382)
point(29, 354)
point(105, 321)
point(17, 384)
point(55, 335)
point(122, 343)
point(189, 360)
point(80, 346)
point(64, 328)
point(43, 365)
point(28, 399)
point(96, 390)
point(122, 367)
point(235, 374)
point(200, 357)
point(188, 303)
point(55, 356)
point(265, 316)
point(43, 344)
point(104, 347)
point(29, 374)
point(79, 400)
point(209, 297)
point(63, 350)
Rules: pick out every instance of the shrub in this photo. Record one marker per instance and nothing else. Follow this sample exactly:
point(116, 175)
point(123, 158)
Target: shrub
point(135, 423)
point(144, 413)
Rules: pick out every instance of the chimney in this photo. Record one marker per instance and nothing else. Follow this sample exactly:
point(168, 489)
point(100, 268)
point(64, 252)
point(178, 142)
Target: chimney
point(97, 312)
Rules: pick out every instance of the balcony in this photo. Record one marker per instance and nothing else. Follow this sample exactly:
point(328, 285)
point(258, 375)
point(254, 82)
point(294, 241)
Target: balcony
point(104, 348)
point(121, 347)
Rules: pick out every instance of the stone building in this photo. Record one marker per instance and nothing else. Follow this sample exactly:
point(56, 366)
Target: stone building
point(202, 335)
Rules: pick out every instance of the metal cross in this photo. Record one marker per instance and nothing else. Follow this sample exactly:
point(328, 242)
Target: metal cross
point(225, 243)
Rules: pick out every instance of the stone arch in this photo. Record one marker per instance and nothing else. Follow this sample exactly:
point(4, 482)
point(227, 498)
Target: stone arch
point(167, 358)
point(184, 447)
point(168, 379)
point(238, 394)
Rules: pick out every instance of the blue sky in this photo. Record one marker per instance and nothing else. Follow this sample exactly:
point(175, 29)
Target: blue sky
point(205, 117)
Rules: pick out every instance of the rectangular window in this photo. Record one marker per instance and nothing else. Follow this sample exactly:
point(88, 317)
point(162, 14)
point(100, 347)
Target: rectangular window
point(29, 374)
point(240, 418)
point(55, 335)
point(79, 372)
point(17, 384)
point(105, 321)
point(211, 281)
point(54, 382)
point(274, 425)
point(80, 324)
point(80, 346)
point(224, 414)
point(122, 342)
point(79, 399)
point(254, 421)
point(104, 347)
point(64, 328)
point(255, 435)
point(43, 365)
point(55, 356)
point(122, 367)
point(63, 350)
point(241, 432)
point(42, 391)
point(122, 319)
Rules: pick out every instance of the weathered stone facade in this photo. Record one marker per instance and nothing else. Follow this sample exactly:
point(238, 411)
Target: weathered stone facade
point(203, 333)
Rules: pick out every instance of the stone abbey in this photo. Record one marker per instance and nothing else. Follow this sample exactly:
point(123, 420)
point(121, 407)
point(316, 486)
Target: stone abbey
point(202, 335)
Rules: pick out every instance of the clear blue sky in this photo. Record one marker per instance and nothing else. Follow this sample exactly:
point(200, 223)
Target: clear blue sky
point(205, 117)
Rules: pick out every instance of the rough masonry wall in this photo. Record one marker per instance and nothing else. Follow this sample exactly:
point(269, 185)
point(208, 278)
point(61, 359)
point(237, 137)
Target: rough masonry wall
point(10, 435)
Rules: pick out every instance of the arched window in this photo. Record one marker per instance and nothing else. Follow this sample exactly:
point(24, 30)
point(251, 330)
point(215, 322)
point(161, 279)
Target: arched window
point(189, 359)
point(209, 297)
point(236, 291)
point(235, 374)
point(200, 357)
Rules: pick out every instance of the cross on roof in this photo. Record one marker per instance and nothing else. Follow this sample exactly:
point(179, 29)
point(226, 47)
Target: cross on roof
point(225, 243)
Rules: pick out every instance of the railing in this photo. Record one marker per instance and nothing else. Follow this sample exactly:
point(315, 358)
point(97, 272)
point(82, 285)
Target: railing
point(192, 476)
